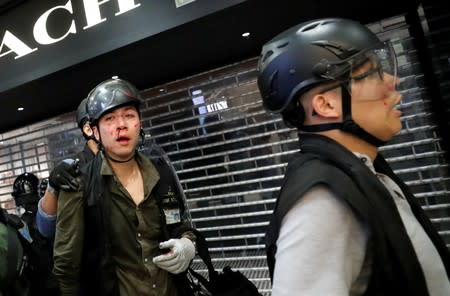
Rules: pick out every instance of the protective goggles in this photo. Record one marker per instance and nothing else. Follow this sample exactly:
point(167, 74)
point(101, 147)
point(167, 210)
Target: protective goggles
point(111, 94)
point(378, 62)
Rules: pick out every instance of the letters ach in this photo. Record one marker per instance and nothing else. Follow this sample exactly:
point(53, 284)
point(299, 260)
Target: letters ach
point(11, 44)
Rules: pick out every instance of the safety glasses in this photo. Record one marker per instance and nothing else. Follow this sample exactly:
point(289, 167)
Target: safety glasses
point(374, 63)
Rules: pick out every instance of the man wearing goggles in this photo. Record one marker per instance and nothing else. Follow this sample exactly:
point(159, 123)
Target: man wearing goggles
point(344, 223)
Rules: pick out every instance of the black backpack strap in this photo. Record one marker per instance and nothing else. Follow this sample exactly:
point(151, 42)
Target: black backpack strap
point(97, 259)
point(169, 182)
point(203, 252)
point(167, 179)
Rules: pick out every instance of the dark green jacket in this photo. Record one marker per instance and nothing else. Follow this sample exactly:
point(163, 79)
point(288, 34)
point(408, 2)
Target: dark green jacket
point(110, 233)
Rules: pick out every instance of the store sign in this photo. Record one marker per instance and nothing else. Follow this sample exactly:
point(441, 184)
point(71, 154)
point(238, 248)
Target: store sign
point(12, 44)
point(41, 37)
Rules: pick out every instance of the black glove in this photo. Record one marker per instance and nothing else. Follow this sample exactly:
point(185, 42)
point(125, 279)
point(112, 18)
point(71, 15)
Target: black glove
point(64, 175)
point(9, 219)
point(42, 187)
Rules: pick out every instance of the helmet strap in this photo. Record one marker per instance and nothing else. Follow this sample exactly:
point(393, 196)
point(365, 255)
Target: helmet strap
point(119, 161)
point(142, 135)
point(99, 142)
point(348, 124)
point(315, 128)
point(91, 137)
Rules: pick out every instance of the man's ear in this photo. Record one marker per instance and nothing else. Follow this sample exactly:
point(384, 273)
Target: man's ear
point(87, 130)
point(96, 133)
point(326, 105)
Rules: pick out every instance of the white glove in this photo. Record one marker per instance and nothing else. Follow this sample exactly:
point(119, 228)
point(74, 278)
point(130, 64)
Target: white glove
point(177, 260)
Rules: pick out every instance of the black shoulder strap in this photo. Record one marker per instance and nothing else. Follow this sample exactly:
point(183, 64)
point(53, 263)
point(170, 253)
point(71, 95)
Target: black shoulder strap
point(165, 175)
point(85, 155)
point(168, 178)
point(97, 256)
point(316, 172)
point(90, 175)
point(203, 252)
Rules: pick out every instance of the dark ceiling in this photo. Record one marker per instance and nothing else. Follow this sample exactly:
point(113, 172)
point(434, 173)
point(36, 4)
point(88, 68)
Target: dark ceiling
point(203, 44)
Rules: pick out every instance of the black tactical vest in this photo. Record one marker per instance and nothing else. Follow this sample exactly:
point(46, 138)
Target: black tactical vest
point(395, 270)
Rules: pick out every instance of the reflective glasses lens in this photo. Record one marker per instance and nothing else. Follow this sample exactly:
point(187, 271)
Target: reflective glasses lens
point(386, 61)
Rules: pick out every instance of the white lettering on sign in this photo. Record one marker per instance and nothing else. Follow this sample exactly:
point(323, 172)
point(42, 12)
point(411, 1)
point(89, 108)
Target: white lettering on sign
point(15, 45)
point(127, 5)
point(40, 27)
point(221, 105)
point(93, 14)
point(11, 44)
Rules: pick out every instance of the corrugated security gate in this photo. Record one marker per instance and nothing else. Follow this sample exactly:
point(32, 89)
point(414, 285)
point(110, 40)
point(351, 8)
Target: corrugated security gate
point(230, 154)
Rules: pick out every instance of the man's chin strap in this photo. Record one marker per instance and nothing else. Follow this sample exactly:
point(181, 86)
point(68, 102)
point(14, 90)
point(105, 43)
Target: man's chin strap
point(119, 161)
point(348, 125)
point(91, 137)
point(142, 135)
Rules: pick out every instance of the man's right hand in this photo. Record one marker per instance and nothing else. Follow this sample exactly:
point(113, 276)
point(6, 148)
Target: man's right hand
point(64, 175)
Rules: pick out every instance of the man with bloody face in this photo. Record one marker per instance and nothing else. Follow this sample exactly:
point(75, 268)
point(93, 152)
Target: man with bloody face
point(123, 232)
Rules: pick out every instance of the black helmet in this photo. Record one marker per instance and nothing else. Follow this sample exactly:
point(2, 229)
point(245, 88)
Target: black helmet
point(306, 55)
point(111, 94)
point(25, 189)
point(82, 115)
